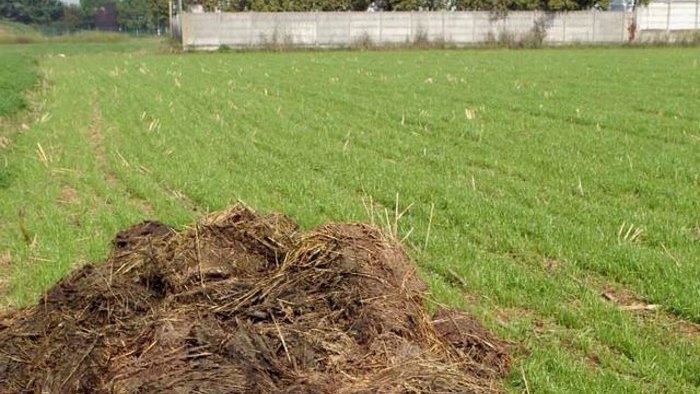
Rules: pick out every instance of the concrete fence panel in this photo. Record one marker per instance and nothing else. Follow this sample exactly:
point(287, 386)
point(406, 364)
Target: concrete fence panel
point(365, 25)
point(212, 30)
point(459, 27)
point(299, 28)
point(198, 30)
point(682, 16)
point(394, 27)
point(654, 17)
point(235, 29)
point(578, 27)
point(521, 24)
point(556, 30)
point(428, 25)
point(486, 27)
point(609, 27)
point(670, 15)
point(333, 28)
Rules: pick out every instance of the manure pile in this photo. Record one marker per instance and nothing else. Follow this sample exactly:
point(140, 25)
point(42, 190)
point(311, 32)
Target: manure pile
point(245, 303)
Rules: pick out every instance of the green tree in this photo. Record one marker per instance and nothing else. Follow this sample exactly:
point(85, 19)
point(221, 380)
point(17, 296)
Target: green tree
point(158, 10)
point(407, 5)
point(31, 11)
point(89, 9)
point(296, 5)
point(142, 14)
point(72, 16)
point(499, 6)
point(133, 14)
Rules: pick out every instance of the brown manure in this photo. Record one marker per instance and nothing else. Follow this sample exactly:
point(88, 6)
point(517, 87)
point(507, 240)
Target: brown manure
point(246, 303)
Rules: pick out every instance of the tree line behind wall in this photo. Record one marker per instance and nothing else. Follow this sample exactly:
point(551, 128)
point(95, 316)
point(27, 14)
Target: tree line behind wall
point(125, 15)
point(397, 5)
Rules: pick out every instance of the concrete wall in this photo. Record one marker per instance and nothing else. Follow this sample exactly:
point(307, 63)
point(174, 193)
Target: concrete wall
point(212, 30)
point(670, 15)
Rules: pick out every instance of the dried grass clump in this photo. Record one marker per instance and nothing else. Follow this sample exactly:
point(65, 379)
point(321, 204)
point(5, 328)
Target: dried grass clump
point(245, 303)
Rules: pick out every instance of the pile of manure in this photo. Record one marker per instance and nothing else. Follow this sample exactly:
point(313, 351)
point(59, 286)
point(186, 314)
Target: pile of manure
point(241, 302)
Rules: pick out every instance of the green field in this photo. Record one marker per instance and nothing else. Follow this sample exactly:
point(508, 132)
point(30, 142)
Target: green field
point(18, 33)
point(564, 184)
point(17, 74)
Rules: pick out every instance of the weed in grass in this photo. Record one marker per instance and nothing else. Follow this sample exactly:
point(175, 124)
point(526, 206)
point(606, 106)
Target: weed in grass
point(363, 41)
point(278, 41)
point(421, 40)
point(629, 233)
point(534, 38)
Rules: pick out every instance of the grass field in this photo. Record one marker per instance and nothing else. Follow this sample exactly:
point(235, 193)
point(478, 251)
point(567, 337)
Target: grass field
point(17, 74)
point(11, 32)
point(564, 184)
point(18, 33)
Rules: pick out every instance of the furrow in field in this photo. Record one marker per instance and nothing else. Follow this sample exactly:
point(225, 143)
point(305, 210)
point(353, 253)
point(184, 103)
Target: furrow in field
point(96, 138)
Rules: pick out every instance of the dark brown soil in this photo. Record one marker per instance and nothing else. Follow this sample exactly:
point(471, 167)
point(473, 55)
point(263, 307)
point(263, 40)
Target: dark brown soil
point(245, 303)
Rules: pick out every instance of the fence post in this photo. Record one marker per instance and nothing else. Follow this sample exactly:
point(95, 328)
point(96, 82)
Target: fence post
point(647, 17)
point(170, 18)
point(410, 25)
point(443, 25)
point(668, 17)
point(316, 28)
point(563, 23)
point(593, 12)
point(381, 28)
point(474, 15)
point(350, 28)
point(623, 25)
point(183, 29)
point(697, 15)
point(251, 28)
point(218, 30)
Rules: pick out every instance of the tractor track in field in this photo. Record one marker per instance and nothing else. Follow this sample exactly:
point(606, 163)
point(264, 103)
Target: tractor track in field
point(111, 178)
point(97, 141)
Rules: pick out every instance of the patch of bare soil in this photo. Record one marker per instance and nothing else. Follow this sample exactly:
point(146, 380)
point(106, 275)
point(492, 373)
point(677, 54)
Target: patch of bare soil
point(5, 260)
point(68, 195)
point(245, 303)
point(629, 301)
